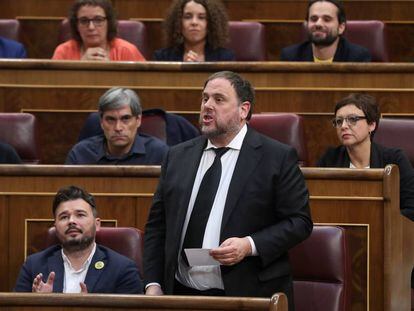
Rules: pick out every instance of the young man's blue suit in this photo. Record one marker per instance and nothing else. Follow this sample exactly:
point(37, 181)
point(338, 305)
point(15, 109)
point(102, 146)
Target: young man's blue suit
point(119, 274)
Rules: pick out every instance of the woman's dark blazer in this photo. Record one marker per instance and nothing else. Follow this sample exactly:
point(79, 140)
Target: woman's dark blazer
point(175, 54)
point(380, 157)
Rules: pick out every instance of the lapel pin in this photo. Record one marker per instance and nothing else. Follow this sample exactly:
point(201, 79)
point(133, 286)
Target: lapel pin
point(99, 265)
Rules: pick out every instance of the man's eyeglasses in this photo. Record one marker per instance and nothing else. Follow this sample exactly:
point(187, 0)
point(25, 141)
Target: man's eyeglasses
point(97, 21)
point(350, 120)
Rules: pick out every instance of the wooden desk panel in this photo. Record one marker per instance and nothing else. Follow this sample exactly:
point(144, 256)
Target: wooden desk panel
point(28, 191)
point(156, 75)
point(95, 302)
point(358, 198)
point(32, 35)
point(364, 201)
point(305, 88)
point(237, 9)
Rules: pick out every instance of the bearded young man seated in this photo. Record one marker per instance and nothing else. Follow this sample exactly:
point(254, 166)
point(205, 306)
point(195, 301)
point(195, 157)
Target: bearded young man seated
point(78, 264)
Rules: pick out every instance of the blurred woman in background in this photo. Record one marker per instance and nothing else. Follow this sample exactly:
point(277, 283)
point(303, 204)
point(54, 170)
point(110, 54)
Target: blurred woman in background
point(195, 31)
point(94, 28)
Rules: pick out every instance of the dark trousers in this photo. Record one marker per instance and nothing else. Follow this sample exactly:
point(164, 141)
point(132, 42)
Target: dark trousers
point(180, 289)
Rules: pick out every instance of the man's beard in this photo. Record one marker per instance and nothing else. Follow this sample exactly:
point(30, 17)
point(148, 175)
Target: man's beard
point(328, 40)
point(75, 245)
point(212, 133)
point(231, 127)
point(78, 244)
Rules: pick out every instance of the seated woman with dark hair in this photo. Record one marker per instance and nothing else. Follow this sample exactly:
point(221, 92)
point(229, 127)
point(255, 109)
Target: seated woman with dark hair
point(94, 28)
point(8, 155)
point(356, 120)
point(195, 31)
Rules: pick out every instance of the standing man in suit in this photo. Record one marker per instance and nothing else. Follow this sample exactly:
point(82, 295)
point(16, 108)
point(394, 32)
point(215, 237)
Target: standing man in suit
point(78, 264)
point(325, 25)
point(260, 209)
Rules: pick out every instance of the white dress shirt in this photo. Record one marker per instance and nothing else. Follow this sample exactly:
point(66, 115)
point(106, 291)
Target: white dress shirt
point(353, 166)
point(74, 277)
point(206, 277)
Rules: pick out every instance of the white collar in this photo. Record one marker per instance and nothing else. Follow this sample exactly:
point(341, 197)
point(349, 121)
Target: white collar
point(236, 142)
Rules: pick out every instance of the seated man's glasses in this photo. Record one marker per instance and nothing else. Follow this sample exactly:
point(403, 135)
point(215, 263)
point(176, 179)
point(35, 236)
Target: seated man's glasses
point(97, 21)
point(350, 120)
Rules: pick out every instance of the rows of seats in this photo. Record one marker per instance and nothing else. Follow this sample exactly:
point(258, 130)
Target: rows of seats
point(285, 127)
point(288, 129)
point(370, 34)
point(19, 130)
point(136, 33)
point(321, 264)
point(239, 32)
point(9, 28)
point(170, 128)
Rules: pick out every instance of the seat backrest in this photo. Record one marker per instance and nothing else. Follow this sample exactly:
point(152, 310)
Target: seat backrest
point(169, 127)
point(152, 124)
point(396, 133)
point(19, 131)
point(132, 31)
point(247, 40)
point(125, 240)
point(9, 28)
point(287, 128)
point(367, 33)
point(321, 271)
point(370, 34)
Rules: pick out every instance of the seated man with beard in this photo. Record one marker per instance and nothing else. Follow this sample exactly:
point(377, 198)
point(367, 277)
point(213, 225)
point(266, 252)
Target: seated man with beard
point(325, 24)
point(78, 264)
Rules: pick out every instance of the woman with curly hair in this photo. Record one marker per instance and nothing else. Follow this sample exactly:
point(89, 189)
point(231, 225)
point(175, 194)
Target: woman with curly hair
point(94, 28)
point(195, 31)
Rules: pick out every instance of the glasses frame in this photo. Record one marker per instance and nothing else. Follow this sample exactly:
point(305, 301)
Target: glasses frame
point(97, 21)
point(351, 120)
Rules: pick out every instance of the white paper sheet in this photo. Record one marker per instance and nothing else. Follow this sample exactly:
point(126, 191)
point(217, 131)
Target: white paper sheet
point(200, 257)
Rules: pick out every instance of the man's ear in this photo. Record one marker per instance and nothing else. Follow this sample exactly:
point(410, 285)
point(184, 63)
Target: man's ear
point(139, 120)
point(97, 223)
point(372, 126)
point(341, 28)
point(244, 110)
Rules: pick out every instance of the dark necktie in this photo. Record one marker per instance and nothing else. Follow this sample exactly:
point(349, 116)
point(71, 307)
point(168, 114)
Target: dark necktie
point(202, 206)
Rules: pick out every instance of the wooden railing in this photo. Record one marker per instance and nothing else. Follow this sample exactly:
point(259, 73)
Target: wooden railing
point(364, 202)
point(61, 93)
point(101, 302)
point(237, 9)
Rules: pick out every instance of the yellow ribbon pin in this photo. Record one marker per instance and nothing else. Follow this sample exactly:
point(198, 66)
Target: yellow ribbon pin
point(99, 265)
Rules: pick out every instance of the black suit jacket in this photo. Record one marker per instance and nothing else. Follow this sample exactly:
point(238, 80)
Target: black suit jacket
point(267, 199)
point(380, 157)
point(345, 52)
